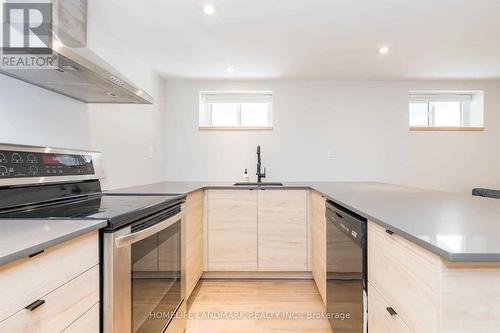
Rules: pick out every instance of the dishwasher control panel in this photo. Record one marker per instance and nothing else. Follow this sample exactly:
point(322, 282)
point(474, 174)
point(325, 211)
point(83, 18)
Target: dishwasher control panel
point(350, 223)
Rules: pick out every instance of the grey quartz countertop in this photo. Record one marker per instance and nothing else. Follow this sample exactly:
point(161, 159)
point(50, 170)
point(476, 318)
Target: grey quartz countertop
point(21, 238)
point(454, 226)
point(172, 187)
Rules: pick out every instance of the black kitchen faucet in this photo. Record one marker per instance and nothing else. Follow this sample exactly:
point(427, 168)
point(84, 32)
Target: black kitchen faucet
point(259, 174)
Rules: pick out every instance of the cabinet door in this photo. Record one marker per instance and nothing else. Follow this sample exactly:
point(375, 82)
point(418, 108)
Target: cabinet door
point(282, 230)
point(318, 242)
point(194, 240)
point(88, 322)
point(26, 280)
point(232, 230)
point(379, 319)
point(407, 276)
point(61, 307)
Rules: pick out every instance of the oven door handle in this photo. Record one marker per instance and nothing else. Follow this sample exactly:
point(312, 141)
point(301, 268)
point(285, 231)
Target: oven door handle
point(145, 233)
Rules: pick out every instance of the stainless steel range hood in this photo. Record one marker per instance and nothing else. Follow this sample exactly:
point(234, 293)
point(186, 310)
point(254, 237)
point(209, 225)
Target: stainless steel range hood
point(80, 73)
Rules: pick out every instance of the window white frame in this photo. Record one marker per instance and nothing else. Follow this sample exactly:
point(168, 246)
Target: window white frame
point(463, 97)
point(431, 114)
point(207, 98)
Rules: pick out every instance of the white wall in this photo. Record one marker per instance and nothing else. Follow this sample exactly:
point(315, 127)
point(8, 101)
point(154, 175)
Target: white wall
point(131, 137)
point(34, 116)
point(126, 134)
point(365, 123)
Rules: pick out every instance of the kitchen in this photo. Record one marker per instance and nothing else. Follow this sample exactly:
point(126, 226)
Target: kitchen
point(387, 130)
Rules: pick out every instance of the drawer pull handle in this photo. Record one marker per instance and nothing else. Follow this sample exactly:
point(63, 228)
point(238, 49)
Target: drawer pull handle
point(35, 305)
point(390, 232)
point(391, 311)
point(36, 253)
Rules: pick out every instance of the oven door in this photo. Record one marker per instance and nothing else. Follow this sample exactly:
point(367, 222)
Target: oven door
point(144, 277)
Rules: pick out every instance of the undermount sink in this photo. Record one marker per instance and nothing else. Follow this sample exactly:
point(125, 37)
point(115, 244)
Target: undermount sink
point(258, 184)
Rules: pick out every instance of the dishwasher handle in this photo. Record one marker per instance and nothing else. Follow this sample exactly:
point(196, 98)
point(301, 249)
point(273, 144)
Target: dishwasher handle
point(348, 222)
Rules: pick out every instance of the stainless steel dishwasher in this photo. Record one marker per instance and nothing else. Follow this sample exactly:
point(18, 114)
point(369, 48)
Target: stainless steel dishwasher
point(346, 285)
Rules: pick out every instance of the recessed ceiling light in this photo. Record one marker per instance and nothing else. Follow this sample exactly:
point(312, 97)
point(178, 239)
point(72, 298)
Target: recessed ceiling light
point(383, 50)
point(230, 70)
point(209, 9)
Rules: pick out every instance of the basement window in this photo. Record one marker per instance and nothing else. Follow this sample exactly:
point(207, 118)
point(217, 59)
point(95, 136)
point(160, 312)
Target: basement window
point(242, 110)
point(446, 110)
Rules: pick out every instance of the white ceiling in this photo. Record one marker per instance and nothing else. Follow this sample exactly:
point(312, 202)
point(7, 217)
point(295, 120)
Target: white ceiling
point(310, 39)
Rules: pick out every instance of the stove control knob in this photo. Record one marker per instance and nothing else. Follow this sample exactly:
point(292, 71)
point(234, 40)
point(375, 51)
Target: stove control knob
point(16, 158)
point(3, 171)
point(31, 158)
point(33, 170)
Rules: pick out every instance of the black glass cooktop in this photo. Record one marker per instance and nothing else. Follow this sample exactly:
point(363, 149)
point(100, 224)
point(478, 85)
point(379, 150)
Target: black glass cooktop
point(119, 210)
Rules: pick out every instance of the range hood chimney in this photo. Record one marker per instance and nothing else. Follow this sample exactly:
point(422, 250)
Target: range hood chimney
point(80, 73)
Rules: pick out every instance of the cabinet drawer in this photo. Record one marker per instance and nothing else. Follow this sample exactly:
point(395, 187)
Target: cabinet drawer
point(379, 318)
point(87, 323)
point(407, 276)
point(26, 280)
point(61, 308)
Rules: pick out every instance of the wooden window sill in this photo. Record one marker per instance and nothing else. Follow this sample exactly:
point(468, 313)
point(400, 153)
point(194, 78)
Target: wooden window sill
point(464, 129)
point(224, 128)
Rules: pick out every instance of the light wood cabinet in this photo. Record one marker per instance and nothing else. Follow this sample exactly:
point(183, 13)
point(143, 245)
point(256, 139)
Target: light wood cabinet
point(26, 280)
point(407, 276)
point(318, 242)
point(232, 230)
point(379, 318)
point(470, 297)
point(282, 230)
point(87, 323)
point(428, 293)
point(62, 307)
point(194, 239)
point(64, 279)
point(257, 230)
